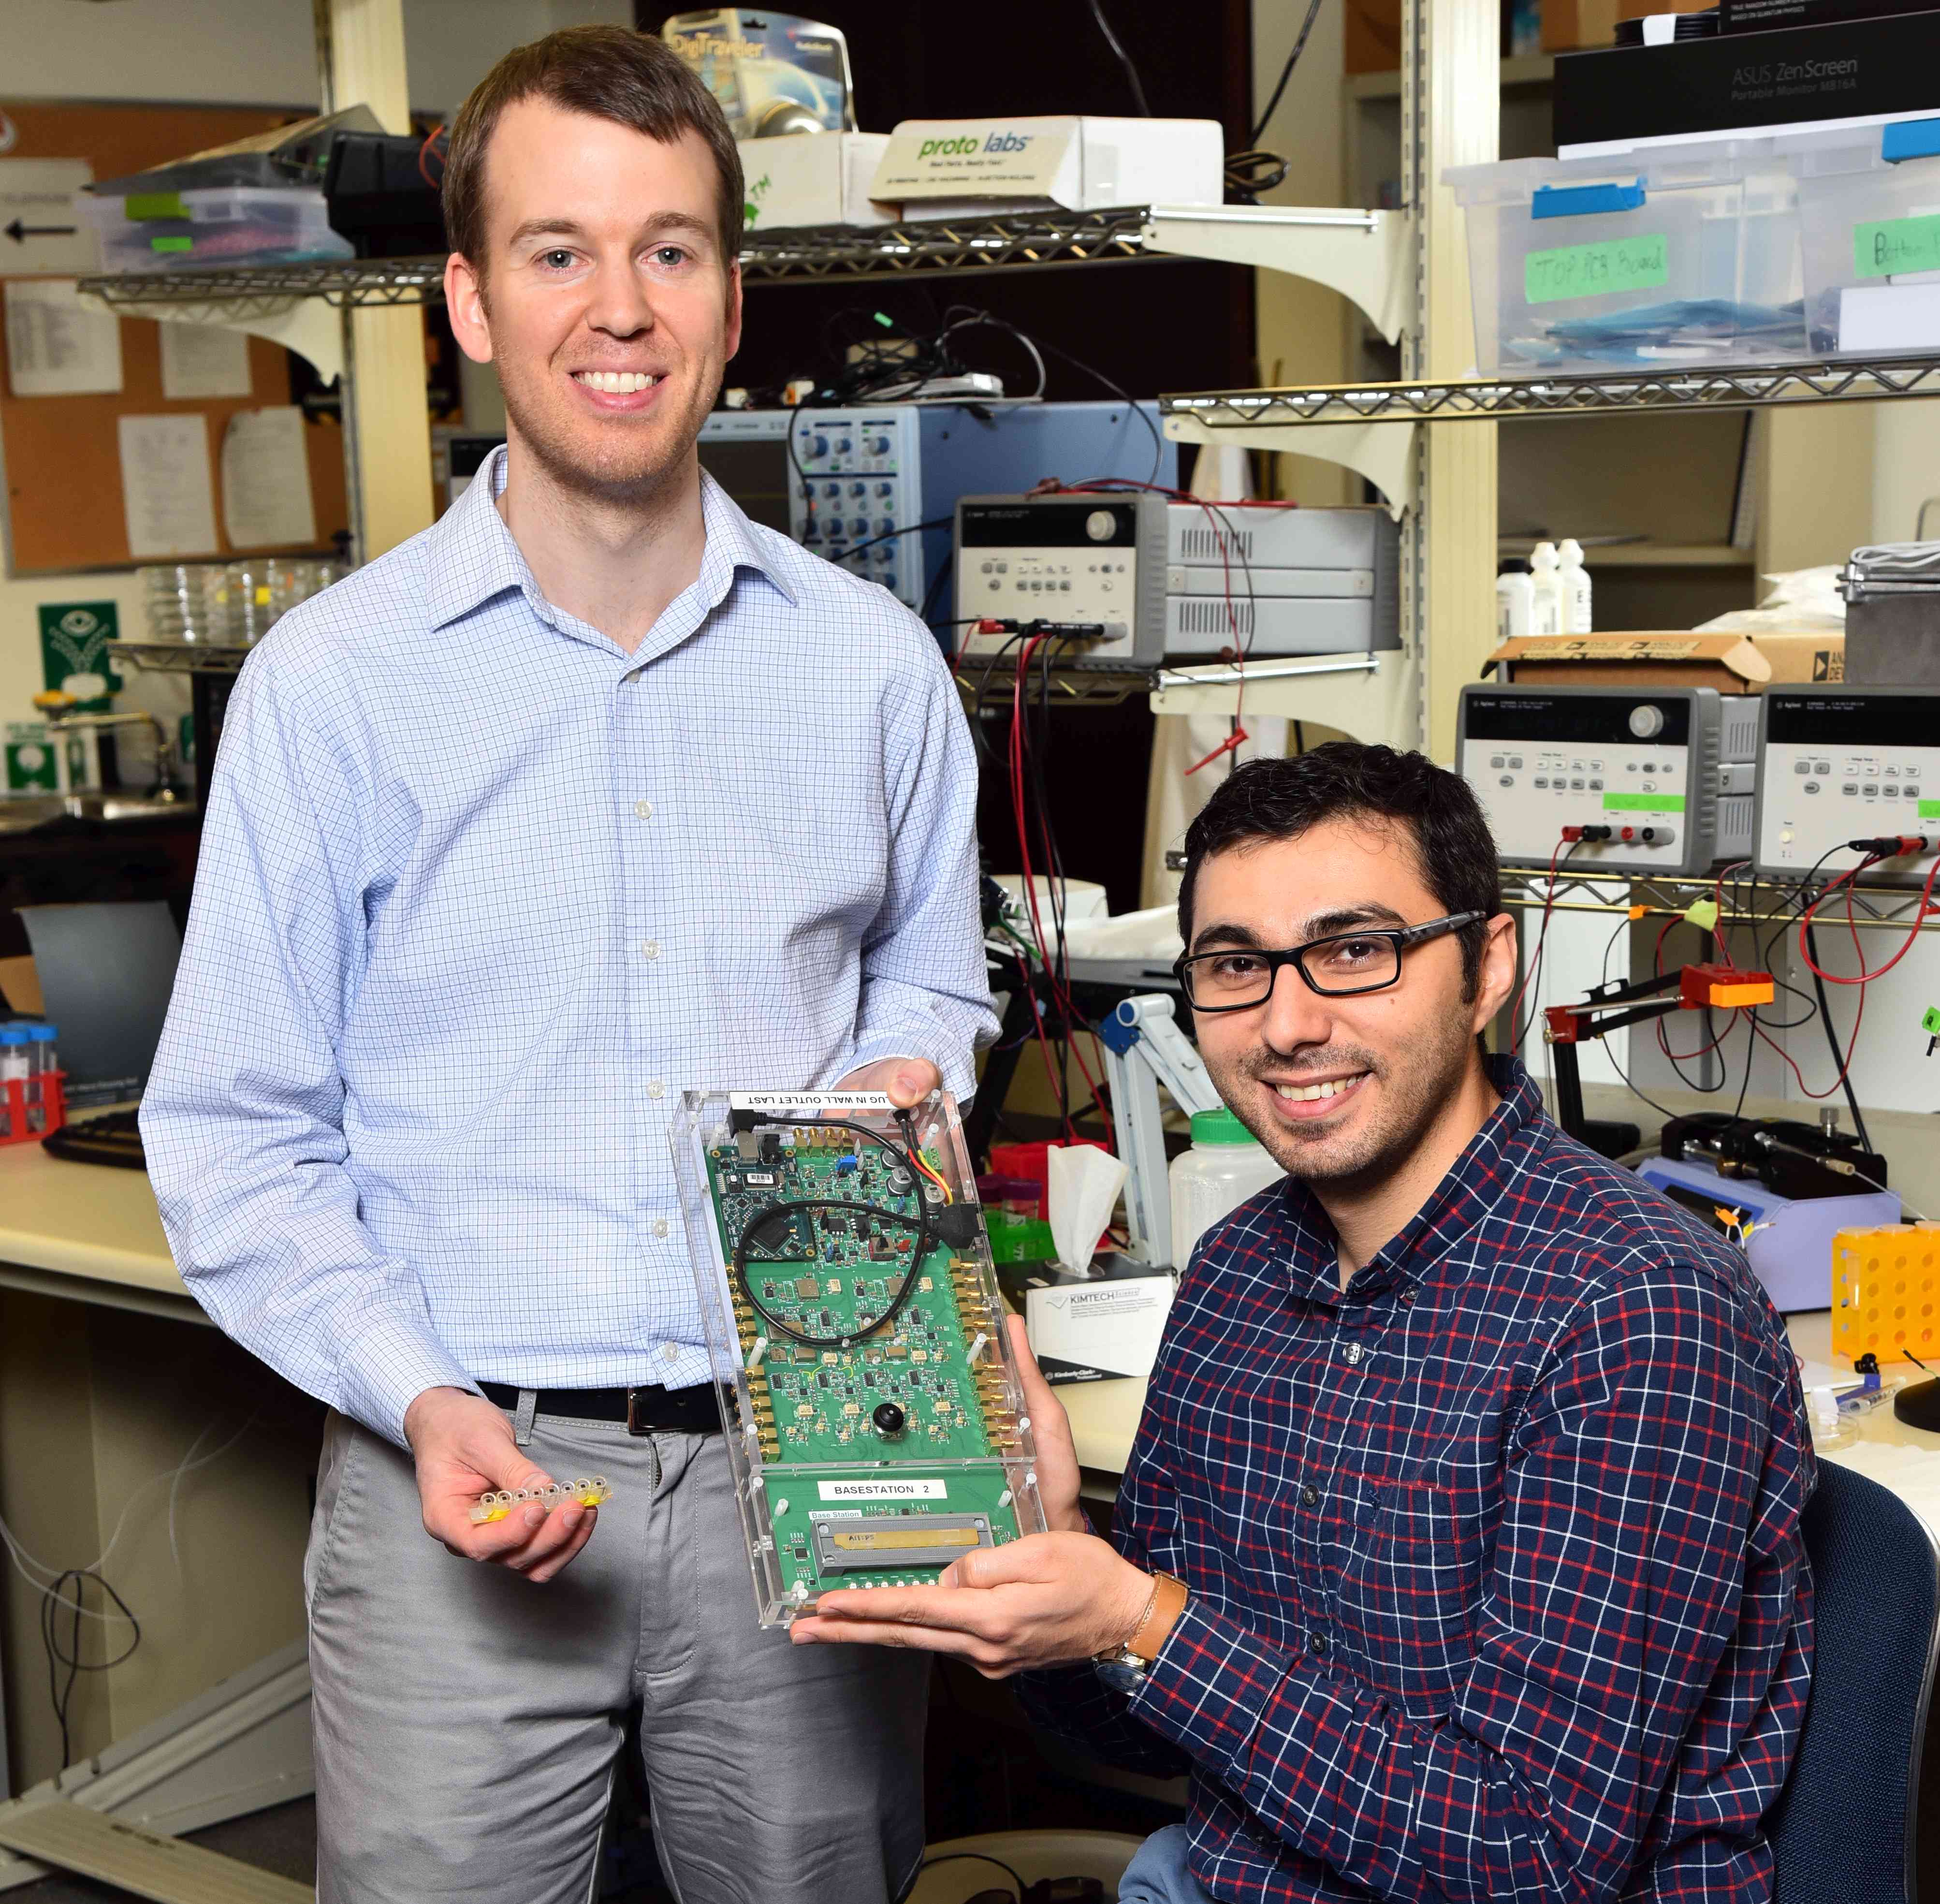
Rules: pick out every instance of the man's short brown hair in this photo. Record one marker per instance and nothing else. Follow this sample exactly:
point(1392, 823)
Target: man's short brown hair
point(607, 72)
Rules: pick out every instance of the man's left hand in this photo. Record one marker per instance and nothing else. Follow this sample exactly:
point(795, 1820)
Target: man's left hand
point(907, 1080)
point(1043, 1600)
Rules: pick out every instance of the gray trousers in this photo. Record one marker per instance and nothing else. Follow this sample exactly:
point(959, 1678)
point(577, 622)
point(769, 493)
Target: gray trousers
point(467, 1723)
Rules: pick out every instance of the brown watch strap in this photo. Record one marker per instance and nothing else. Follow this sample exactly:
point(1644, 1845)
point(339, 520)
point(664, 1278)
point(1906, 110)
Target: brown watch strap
point(1168, 1602)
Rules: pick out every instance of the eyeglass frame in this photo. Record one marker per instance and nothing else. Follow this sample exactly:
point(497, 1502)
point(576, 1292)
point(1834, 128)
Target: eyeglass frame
point(1402, 938)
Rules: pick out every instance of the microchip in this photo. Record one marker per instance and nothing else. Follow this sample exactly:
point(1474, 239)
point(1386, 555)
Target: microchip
point(822, 1376)
point(895, 1351)
point(808, 1288)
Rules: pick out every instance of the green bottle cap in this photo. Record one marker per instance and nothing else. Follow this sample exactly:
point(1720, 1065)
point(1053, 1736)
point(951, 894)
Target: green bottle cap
point(1219, 1127)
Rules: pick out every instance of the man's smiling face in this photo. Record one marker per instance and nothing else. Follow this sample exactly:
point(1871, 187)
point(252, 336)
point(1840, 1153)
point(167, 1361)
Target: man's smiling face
point(1340, 1090)
point(607, 306)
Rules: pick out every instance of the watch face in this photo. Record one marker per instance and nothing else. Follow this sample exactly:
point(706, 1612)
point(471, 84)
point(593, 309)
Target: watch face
point(1118, 1675)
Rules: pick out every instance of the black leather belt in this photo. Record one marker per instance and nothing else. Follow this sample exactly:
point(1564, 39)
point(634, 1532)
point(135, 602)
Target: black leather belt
point(648, 1410)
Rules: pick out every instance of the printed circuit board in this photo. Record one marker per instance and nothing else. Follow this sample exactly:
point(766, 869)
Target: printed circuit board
point(875, 1404)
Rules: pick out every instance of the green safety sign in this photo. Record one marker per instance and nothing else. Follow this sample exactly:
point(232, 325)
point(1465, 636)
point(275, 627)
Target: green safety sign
point(74, 653)
point(1635, 264)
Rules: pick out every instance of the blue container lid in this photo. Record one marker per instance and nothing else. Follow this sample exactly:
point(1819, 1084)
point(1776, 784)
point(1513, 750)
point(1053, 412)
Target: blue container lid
point(43, 1034)
point(13, 1034)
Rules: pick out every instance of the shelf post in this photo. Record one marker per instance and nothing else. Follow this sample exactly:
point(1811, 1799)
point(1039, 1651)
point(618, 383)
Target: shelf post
point(1449, 108)
point(387, 428)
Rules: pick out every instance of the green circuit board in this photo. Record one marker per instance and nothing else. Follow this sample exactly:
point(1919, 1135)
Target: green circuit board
point(863, 1431)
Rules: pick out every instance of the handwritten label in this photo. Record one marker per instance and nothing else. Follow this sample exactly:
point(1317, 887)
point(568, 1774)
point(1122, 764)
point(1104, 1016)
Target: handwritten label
point(1888, 245)
point(1633, 263)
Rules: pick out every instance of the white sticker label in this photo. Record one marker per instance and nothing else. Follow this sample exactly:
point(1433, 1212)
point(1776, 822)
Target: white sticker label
point(796, 1103)
point(884, 1489)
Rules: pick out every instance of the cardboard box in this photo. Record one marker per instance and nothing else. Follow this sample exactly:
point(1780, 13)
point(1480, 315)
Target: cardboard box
point(962, 168)
point(814, 178)
point(1733, 664)
point(1099, 1327)
point(1569, 25)
point(1372, 43)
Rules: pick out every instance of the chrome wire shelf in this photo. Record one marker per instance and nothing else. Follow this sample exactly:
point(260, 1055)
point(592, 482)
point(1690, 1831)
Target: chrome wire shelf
point(1030, 240)
point(265, 289)
point(1748, 899)
point(1735, 387)
point(180, 656)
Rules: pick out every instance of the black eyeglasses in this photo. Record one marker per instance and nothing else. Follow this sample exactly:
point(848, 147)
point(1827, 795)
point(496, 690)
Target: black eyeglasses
point(1239, 977)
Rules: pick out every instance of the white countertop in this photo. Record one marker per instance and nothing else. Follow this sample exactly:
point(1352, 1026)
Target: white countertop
point(85, 1220)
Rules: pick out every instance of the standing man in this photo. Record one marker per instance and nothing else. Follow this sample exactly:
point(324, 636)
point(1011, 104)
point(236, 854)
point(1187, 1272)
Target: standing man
point(594, 792)
point(1459, 1553)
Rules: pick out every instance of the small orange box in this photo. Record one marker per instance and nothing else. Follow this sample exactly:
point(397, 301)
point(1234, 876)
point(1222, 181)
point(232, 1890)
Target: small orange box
point(1886, 1290)
point(1724, 987)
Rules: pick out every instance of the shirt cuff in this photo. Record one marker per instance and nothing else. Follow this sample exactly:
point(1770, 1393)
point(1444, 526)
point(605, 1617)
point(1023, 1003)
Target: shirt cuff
point(1210, 1685)
point(385, 1368)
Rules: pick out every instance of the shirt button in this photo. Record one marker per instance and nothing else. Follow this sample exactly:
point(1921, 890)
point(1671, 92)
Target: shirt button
point(649, 949)
point(1316, 1644)
point(643, 808)
point(1310, 1495)
point(1353, 1353)
point(655, 1088)
point(1407, 1299)
point(670, 1352)
point(660, 1226)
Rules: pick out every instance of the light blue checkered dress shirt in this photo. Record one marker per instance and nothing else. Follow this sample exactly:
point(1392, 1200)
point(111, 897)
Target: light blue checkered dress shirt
point(480, 895)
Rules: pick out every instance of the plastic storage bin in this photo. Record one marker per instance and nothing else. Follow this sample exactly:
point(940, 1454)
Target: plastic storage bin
point(1683, 255)
point(1869, 218)
point(228, 224)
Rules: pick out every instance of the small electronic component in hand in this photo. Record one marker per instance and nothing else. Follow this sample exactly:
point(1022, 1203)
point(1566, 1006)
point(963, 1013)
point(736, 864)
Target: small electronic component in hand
point(495, 1505)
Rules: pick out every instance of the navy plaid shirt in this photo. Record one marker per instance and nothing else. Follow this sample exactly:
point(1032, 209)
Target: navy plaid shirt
point(1497, 1585)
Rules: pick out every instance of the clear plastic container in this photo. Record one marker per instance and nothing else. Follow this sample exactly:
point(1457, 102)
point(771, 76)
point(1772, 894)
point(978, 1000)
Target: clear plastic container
point(230, 224)
point(1869, 219)
point(1225, 1166)
point(1681, 254)
point(15, 1060)
point(43, 1055)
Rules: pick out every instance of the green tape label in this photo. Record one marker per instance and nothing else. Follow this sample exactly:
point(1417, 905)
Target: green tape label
point(1643, 803)
point(155, 205)
point(1930, 810)
point(1891, 245)
point(1633, 263)
point(172, 244)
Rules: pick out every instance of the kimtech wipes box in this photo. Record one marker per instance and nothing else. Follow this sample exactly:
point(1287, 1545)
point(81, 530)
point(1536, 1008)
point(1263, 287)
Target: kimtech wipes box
point(1096, 1327)
point(958, 168)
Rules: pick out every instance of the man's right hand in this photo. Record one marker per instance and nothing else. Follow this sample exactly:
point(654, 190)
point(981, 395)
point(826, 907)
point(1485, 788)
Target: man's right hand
point(463, 1445)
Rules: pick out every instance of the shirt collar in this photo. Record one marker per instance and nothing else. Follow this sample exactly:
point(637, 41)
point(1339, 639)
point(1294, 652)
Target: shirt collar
point(1481, 1176)
point(473, 557)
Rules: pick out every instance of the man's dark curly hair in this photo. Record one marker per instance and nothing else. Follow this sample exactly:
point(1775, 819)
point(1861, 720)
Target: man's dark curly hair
point(1281, 799)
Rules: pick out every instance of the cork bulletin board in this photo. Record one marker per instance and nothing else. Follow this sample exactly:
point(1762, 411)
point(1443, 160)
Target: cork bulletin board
point(62, 454)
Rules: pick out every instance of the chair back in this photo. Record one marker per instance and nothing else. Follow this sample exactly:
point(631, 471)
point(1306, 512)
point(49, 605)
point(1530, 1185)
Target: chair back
point(1843, 1830)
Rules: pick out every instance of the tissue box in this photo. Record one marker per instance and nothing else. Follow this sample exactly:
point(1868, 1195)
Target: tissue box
point(1099, 1327)
point(812, 179)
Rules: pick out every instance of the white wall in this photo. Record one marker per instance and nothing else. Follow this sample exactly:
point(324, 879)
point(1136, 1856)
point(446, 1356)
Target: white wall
point(1906, 467)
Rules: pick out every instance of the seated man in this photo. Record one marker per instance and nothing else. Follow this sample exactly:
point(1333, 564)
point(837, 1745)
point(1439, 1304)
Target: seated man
point(1459, 1553)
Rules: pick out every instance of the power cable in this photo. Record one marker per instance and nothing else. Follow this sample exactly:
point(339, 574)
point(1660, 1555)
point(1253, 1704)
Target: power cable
point(1124, 60)
point(1285, 73)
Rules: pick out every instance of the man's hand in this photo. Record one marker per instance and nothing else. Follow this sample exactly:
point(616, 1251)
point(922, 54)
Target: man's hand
point(463, 1445)
point(1041, 1601)
point(907, 1080)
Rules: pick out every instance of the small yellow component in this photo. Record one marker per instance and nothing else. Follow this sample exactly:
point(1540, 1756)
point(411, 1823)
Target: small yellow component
point(852, 1407)
point(1702, 913)
point(925, 1285)
point(943, 1404)
point(589, 1491)
point(804, 1411)
point(834, 1286)
point(1886, 1290)
point(830, 1356)
point(919, 1355)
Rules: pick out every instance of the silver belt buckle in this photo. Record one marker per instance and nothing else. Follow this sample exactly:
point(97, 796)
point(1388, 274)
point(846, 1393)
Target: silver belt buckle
point(634, 1424)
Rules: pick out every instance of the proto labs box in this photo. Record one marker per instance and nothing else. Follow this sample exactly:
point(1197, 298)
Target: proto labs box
point(874, 1421)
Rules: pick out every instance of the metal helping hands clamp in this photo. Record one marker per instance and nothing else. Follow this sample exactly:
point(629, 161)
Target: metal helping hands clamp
point(1696, 987)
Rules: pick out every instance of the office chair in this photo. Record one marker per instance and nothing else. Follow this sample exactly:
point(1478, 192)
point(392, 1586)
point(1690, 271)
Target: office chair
point(1843, 1831)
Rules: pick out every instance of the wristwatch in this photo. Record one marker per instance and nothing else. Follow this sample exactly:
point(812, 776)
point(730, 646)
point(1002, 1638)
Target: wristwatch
point(1124, 1668)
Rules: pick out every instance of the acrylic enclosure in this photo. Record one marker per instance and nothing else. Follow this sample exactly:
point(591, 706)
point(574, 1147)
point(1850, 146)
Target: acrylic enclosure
point(874, 1421)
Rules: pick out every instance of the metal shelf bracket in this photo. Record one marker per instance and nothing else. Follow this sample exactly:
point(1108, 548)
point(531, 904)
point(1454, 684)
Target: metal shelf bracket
point(1383, 452)
point(1365, 256)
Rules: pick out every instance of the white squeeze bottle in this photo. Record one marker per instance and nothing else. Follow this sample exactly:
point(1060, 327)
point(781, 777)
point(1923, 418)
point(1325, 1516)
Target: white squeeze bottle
point(1545, 584)
point(1574, 579)
point(1513, 600)
point(1225, 1166)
